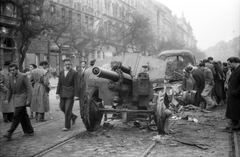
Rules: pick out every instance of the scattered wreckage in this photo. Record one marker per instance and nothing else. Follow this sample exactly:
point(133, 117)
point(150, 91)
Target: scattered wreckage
point(132, 87)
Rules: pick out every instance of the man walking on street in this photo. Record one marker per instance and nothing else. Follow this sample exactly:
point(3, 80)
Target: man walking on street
point(209, 84)
point(67, 91)
point(41, 88)
point(233, 93)
point(20, 91)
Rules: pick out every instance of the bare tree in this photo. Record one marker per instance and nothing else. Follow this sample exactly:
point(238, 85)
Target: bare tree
point(86, 38)
point(132, 33)
point(58, 29)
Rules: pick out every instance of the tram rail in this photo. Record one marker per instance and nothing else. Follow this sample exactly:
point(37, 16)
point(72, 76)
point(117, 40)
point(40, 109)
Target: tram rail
point(236, 141)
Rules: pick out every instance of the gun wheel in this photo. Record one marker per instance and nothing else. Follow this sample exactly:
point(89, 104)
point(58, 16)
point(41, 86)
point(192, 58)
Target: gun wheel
point(91, 116)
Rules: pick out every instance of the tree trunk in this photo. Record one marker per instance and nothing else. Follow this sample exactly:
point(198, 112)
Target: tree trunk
point(23, 50)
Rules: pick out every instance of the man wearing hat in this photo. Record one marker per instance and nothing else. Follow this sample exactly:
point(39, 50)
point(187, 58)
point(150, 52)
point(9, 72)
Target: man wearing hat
point(6, 109)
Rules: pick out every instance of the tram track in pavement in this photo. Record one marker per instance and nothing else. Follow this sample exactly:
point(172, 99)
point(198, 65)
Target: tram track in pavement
point(236, 145)
point(59, 144)
point(236, 142)
point(146, 153)
point(82, 134)
point(39, 124)
point(149, 149)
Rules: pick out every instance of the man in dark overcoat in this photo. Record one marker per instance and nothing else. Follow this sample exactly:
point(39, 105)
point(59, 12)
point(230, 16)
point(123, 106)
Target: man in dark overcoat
point(233, 93)
point(219, 83)
point(67, 91)
point(20, 91)
point(198, 76)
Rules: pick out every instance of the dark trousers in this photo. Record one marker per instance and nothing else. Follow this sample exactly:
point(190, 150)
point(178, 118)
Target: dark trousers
point(21, 116)
point(66, 105)
point(7, 116)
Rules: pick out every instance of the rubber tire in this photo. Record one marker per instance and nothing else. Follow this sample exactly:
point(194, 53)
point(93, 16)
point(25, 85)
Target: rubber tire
point(91, 117)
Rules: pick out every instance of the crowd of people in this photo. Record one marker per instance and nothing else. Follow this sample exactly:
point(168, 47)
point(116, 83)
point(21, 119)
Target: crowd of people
point(30, 88)
point(217, 84)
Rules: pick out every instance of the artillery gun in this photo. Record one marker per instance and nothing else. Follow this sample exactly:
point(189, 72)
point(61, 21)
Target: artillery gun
point(124, 86)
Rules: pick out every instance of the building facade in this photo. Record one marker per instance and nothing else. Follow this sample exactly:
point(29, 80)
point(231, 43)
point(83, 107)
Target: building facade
point(9, 20)
point(90, 14)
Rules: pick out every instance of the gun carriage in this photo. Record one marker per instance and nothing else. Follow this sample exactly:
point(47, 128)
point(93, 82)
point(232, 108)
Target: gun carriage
point(124, 87)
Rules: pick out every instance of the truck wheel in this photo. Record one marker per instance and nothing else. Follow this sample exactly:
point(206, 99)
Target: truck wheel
point(91, 117)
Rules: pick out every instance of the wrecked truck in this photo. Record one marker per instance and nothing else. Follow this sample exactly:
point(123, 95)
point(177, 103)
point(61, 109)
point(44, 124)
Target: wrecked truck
point(131, 87)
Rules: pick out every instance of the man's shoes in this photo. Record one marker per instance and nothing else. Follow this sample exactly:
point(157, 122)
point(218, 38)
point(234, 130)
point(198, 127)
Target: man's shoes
point(74, 120)
point(8, 136)
point(28, 134)
point(65, 129)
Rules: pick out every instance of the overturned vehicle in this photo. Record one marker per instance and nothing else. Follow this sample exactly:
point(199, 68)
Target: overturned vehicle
point(132, 86)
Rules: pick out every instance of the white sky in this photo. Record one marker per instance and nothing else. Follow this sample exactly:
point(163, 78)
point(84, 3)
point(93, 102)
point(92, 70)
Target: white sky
point(211, 20)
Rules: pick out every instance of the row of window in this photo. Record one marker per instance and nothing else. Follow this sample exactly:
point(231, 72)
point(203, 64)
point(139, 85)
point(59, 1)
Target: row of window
point(8, 9)
point(65, 13)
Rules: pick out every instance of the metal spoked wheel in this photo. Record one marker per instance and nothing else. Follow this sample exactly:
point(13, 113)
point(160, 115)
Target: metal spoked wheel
point(90, 109)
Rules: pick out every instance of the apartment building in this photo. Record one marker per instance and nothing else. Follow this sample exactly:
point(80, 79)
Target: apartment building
point(163, 23)
point(85, 12)
point(9, 20)
point(91, 14)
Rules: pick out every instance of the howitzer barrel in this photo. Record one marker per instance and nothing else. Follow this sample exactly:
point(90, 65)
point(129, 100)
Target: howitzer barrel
point(111, 75)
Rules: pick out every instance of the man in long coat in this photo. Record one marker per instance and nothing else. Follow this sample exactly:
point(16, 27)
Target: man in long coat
point(67, 91)
point(20, 91)
point(219, 83)
point(81, 83)
point(198, 76)
point(6, 109)
point(41, 88)
point(233, 93)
